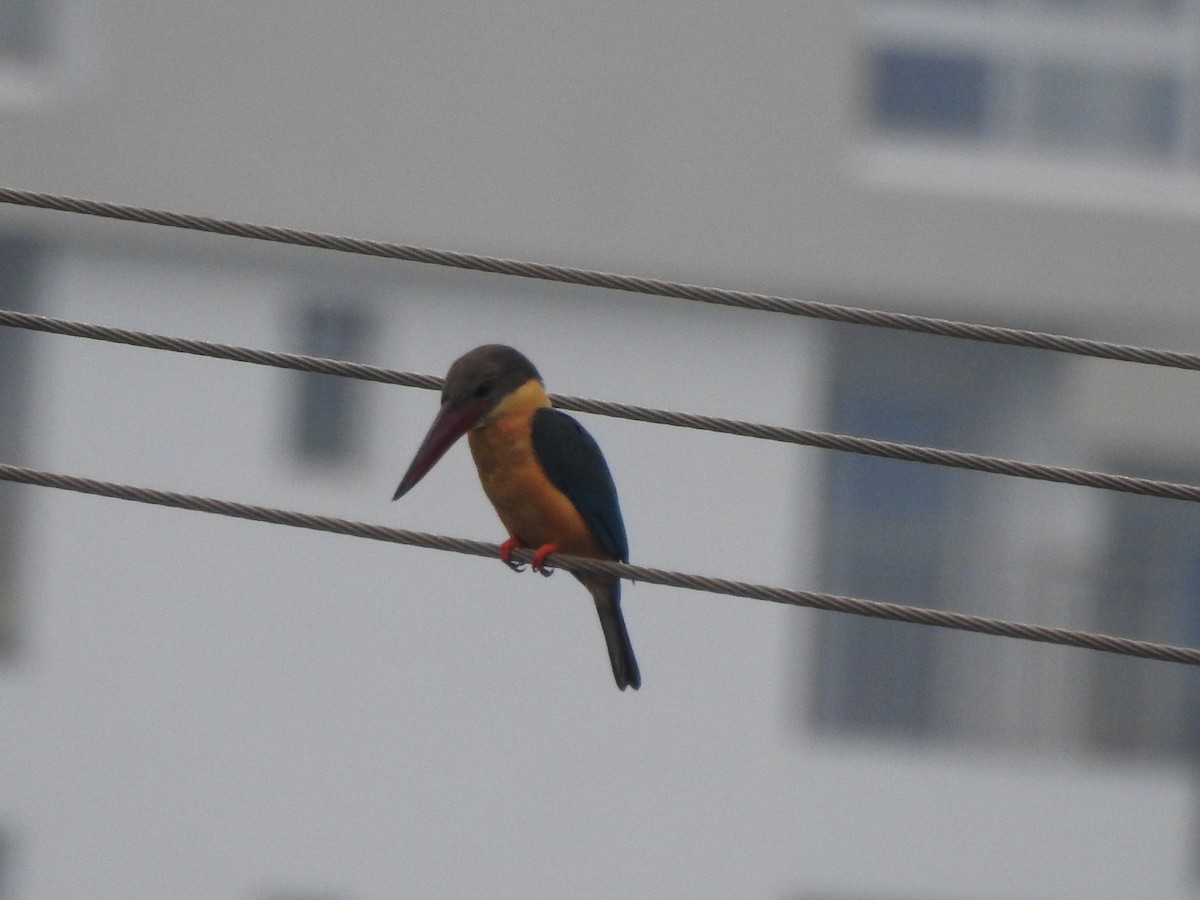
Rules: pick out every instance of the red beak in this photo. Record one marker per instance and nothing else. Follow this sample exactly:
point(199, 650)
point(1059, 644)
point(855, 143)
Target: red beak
point(451, 423)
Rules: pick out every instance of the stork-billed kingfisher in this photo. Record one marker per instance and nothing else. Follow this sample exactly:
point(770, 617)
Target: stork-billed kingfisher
point(542, 471)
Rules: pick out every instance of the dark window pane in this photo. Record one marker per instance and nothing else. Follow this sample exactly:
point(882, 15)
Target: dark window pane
point(886, 532)
point(329, 417)
point(922, 91)
point(883, 543)
point(919, 534)
point(18, 260)
point(1103, 109)
point(22, 28)
point(1150, 589)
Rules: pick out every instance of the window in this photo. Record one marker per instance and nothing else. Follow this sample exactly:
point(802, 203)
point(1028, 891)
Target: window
point(328, 420)
point(1150, 588)
point(5, 866)
point(1110, 79)
point(929, 92)
point(22, 30)
point(932, 536)
point(18, 261)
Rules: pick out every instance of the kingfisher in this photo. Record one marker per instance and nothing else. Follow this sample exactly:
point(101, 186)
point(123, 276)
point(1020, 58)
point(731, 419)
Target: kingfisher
point(544, 474)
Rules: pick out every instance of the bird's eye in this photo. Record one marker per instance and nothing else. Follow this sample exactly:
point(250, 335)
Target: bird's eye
point(483, 390)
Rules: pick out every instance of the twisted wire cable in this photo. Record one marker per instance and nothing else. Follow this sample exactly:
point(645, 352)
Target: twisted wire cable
point(832, 602)
point(995, 465)
point(570, 275)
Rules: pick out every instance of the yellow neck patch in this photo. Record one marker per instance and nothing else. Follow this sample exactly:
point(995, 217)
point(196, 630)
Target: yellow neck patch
point(525, 399)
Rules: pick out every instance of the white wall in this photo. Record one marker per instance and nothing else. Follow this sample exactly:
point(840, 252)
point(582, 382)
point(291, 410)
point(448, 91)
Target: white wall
point(207, 707)
point(207, 704)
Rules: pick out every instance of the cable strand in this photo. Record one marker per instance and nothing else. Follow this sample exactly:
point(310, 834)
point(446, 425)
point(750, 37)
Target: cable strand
point(977, 462)
point(569, 275)
point(811, 599)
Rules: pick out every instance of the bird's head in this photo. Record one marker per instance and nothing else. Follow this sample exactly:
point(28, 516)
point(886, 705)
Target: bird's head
point(475, 385)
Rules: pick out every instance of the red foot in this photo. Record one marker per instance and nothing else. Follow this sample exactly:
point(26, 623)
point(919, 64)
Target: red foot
point(507, 547)
point(539, 557)
point(506, 550)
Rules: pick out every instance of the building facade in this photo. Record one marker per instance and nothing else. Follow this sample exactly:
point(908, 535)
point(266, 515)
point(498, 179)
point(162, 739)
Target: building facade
point(198, 706)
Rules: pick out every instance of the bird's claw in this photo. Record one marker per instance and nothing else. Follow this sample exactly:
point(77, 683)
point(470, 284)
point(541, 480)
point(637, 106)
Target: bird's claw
point(539, 559)
point(506, 550)
point(538, 563)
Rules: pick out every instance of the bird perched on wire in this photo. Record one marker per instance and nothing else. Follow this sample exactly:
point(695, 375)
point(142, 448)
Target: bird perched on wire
point(544, 474)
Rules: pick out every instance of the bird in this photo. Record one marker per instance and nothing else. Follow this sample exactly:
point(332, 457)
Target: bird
point(543, 473)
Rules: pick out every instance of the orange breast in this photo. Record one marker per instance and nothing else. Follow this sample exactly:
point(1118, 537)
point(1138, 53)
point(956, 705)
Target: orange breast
point(532, 509)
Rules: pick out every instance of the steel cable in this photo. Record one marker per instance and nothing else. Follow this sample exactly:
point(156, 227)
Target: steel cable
point(569, 275)
point(1129, 484)
point(811, 599)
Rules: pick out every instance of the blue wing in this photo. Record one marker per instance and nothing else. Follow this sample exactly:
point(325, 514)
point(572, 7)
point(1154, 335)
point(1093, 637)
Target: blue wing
point(572, 461)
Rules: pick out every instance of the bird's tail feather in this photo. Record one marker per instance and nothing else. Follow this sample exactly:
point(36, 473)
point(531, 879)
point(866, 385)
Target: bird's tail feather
point(620, 650)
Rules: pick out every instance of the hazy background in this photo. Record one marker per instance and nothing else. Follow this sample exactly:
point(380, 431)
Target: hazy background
point(193, 706)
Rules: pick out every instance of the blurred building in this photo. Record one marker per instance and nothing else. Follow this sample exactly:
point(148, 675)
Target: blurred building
point(197, 706)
